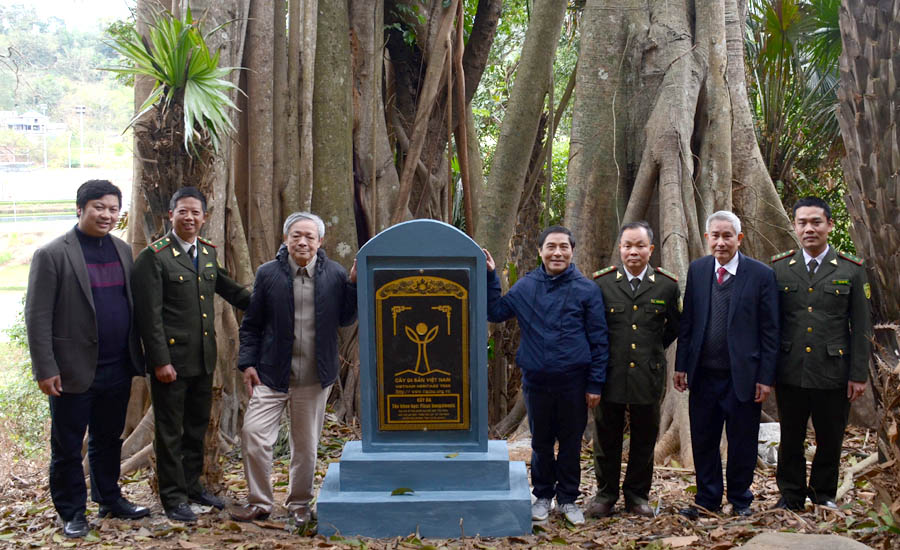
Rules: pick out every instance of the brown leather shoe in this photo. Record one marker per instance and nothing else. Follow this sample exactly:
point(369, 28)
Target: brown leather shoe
point(600, 509)
point(249, 512)
point(640, 509)
point(301, 515)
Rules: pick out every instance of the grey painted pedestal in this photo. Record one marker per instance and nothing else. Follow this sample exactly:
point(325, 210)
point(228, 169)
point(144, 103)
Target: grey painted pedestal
point(453, 494)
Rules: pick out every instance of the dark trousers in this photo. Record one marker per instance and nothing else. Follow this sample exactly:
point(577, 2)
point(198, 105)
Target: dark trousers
point(181, 411)
point(101, 411)
point(609, 421)
point(556, 416)
point(712, 403)
point(829, 410)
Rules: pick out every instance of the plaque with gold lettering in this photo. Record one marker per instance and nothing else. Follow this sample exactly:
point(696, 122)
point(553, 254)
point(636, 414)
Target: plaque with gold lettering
point(422, 342)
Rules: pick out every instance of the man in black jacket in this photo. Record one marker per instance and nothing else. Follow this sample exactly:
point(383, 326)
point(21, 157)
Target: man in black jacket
point(289, 358)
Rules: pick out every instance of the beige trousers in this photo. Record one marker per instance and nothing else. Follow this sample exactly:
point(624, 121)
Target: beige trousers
point(306, 410)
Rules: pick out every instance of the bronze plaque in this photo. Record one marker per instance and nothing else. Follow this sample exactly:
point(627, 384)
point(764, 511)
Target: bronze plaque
point(422, 340)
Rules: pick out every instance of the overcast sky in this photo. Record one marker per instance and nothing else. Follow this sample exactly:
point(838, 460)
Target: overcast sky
point(82, 14)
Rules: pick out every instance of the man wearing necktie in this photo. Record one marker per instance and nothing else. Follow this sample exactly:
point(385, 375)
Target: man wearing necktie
point(727, 346)
point(642, 313)
point(823, 364)
point(174, 281)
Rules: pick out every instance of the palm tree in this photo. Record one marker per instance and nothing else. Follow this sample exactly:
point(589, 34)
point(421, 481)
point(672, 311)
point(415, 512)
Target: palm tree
point(792, 52)
point(180, 127)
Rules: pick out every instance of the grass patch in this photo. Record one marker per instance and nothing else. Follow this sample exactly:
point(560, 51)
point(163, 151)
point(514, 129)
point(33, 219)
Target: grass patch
point(14, 277)
point(24, 413)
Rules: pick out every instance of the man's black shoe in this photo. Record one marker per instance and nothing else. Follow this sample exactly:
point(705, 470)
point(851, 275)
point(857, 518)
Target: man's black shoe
point(207, 499)
point(123, 509)
point(744, 512)
point(830, 504)
point(76, 527)
point(787, 505)
point(182, 512)
point(691, 512)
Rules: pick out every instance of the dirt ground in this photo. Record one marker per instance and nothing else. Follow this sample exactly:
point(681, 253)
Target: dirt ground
point(28, 520)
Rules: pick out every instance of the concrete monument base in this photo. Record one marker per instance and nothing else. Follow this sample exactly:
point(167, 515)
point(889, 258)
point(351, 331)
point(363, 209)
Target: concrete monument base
point(453, 494)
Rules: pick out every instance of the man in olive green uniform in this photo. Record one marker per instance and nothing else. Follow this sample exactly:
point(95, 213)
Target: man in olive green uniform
point(642, 314)
point(174, 282)
point(824, 357)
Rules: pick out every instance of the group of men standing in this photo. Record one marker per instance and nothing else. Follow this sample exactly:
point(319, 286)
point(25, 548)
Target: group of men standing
point(802, 323)
point(744, 327)
point(89, 308)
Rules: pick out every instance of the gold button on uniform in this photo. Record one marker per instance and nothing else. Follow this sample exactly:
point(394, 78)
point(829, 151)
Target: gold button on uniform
point(808, 349)
point(171, 341)
point(202, 297)
point(180, 278)
point(204, 316)
point(808, 329)
point(634, 307)
point(633, 346)
point(205, 333)
point(809, 309)
point(631, 364)
point(633, 327)
point(841, 352)
point(810, 289)
point(612, 310)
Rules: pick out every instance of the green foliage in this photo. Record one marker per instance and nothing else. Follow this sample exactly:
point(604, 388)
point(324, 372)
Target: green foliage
point(42, 60)
point(884, 520)
point(184, 72)
point(792, 53)
point(23, 408)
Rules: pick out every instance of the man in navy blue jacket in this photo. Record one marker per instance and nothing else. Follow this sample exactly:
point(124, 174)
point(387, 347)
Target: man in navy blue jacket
point(289, 359)
point(727, 346)
point(562, 353)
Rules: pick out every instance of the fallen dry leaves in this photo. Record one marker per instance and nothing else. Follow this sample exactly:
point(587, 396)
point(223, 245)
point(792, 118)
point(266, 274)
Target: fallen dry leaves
point(28, 520)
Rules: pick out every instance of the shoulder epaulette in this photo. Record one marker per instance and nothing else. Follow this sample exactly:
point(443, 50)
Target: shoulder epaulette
point(604, 271)
point(783, 255)
point(206, 242)
point(850, 258)
point(160, 244)
point(668, 274)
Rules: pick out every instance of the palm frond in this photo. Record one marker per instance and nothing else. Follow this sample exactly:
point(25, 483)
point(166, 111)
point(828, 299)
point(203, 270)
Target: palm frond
point(176, 56)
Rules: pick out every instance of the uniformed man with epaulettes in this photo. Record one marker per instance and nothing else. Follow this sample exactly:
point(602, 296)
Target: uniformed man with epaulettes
point(642, 313)
point(823, 363)
point(174, 282)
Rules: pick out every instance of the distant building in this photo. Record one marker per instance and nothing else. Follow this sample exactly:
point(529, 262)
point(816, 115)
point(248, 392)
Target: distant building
point(30, 122)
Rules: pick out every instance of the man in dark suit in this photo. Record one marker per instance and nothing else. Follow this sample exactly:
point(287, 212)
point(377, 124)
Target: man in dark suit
point(175, 280)
point(84, 353)
point(642, 315)
point(824, 359)
point(727, 345)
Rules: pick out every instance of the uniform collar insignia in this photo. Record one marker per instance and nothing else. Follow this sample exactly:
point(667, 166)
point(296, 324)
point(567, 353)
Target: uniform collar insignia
point(175, 252)
point(618, 275)
point(834, 261)
point(793, 261)
point(205, 251)
point(651, 277)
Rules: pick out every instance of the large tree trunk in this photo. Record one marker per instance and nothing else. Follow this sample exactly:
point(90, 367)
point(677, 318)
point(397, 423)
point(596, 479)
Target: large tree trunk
point(869, 103)
point(377, 180)
point(262, 214)
point(663, 126)
point(333, 195)
point(496, 220)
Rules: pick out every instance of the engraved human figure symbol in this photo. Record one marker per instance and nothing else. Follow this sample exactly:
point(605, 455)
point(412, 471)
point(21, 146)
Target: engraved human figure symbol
point(422, 336)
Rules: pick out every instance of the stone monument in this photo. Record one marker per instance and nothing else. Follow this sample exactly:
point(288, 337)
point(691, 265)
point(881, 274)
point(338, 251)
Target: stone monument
point(425, 463)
